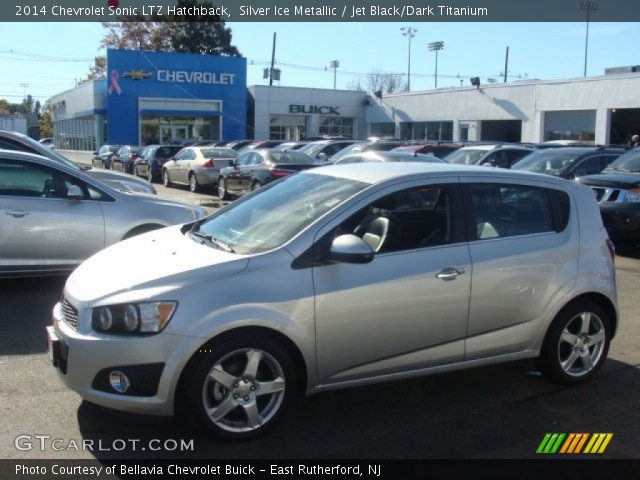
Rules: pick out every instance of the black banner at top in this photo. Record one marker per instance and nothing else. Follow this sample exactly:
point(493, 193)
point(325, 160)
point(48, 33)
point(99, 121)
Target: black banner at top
point(322, 10)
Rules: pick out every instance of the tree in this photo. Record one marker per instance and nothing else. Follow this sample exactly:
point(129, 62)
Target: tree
point(46, 126)
point(377, 80)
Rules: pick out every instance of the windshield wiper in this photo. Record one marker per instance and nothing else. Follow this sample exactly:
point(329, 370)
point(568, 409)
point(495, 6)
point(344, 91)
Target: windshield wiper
point(221, 245)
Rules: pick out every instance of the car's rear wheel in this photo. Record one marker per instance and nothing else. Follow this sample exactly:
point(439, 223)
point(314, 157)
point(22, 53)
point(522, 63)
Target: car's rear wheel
point(576, 344)
point(240, 387)
point(166, 181)
point(255, 186)
point(193, 183)
point(222, 189)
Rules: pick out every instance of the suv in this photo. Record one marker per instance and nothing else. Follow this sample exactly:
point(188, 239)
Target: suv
point(335, 277)
point(617, 190)
point(569, 162)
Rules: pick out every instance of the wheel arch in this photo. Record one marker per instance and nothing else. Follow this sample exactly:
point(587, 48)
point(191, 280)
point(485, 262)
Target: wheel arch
point(598, 299)
point(286, 342)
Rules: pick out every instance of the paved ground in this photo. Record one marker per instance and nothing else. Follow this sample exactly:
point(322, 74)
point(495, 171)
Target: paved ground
point(494, 412)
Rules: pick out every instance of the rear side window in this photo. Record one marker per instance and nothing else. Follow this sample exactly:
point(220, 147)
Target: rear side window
point(511, 210)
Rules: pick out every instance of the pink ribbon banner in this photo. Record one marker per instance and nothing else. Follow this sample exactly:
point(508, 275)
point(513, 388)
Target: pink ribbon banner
point(114, 77)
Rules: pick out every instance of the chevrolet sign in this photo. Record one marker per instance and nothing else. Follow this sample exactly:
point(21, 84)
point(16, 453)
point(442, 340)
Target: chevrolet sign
point(181, 76)
point(136, 74)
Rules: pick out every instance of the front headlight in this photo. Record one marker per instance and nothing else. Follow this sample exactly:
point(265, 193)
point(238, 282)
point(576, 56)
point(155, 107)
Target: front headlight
point(632, 196)
point(133, 318)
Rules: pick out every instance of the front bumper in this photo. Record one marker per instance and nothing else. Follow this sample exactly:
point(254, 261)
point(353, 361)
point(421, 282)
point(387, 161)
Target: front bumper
point(89, 353)
point(622, 220)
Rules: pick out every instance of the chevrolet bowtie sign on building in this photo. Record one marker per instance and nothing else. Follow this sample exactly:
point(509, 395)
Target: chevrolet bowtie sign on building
point(158, 97)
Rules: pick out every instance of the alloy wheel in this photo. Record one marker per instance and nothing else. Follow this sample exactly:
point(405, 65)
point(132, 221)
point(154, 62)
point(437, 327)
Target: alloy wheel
point(244, 390)
point(581, 344)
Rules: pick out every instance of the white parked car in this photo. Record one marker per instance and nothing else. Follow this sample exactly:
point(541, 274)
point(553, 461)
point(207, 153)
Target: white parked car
point(340, 276)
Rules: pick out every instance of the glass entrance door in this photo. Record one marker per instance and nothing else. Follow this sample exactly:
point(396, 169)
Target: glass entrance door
point(172, 133)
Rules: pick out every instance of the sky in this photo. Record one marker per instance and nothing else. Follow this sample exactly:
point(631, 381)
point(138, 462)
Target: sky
point(43, 59)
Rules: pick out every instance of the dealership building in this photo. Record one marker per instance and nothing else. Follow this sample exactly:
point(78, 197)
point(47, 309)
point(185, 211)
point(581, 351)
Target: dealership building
point(156, 97)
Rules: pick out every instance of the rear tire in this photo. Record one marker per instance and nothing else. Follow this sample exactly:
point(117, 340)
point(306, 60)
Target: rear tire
point(166, 181)
point(239, 386)
point(576, 344)
point(255, 186)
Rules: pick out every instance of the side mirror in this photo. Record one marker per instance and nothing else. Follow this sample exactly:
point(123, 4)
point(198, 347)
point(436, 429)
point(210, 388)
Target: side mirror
point(350, 249)
point(321, 156)
point(95, 153)
point(75, 193)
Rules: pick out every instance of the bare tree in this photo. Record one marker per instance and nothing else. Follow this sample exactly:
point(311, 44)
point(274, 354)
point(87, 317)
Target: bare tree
point(377, 80)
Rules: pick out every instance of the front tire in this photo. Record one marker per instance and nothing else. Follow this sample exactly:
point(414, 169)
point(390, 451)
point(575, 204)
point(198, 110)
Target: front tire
point(240, 387)
point(193, 183)
point(255, 186)
point(166, 181)
point(222, 189)
point(576, 344)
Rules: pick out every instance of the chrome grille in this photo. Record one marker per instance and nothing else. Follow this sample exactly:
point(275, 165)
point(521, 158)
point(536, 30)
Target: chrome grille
point(69, 313)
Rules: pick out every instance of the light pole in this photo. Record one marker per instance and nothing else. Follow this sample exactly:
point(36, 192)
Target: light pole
point(436, 47)
point(409, 32)
point(589, 6)
point(334, 64)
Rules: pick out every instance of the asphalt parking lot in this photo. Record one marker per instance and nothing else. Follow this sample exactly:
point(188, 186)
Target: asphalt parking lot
point(491, 412)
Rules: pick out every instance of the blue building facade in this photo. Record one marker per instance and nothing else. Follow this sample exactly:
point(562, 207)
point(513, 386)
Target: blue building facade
point(157, 97)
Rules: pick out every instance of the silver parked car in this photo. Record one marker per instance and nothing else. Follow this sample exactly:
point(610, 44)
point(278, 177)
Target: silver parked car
point(16, 141)
point(340, 276)
point(53, 217)
point(197, 166)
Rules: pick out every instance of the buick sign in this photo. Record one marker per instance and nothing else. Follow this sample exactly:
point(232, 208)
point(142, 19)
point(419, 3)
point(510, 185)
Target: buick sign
point(322, 110)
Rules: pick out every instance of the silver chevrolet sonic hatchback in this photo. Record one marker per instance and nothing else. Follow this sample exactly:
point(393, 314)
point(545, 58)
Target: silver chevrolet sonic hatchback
point(340, 276)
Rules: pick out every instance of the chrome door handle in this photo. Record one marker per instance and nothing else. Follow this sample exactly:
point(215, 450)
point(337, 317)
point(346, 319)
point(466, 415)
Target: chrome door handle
point(16, 213)
point(450, 273)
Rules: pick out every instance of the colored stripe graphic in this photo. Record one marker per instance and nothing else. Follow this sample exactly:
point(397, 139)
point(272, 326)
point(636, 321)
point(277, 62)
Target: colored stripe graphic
point(574, 443)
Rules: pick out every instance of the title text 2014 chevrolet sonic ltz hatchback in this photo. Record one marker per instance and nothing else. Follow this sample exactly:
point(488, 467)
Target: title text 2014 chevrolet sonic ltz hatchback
point(340, 276)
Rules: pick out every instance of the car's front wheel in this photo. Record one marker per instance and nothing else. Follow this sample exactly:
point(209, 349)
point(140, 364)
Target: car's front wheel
point(193, 183)
point(223, 194)
point(576, 344)
point(240, 387)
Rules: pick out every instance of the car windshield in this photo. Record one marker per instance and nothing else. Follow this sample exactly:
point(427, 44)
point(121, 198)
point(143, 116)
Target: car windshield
point(549, 162)
point(276, 213)
point(290, 157)
point(466, 156)
point(218, 153)
point(629, 162)
point(355, 148)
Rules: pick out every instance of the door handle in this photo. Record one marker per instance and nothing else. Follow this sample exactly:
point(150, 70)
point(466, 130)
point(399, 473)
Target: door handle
point(450, 273)
point(16, 213)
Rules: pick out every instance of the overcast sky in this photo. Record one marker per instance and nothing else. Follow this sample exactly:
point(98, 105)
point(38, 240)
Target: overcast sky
point(48, 57)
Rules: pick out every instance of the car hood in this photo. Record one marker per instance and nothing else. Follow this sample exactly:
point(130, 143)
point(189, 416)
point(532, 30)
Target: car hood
point(149, 265)
point(121, 181)
point(612, 180)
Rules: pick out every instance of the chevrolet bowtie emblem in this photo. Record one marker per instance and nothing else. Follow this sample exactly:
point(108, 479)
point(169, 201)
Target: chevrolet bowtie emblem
point(136, 74)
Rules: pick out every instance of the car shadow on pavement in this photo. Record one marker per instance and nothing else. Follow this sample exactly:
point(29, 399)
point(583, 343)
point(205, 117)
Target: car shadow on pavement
point(501, 411)
point(628, 249)
point(37, 296)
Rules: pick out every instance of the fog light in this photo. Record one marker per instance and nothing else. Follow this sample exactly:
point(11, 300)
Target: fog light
point(119, 381)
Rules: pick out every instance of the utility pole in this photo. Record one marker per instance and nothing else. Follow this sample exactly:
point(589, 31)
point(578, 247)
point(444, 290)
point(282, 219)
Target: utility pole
point(334, 64)
point(436, 47)
point(409, 32)
point(24, 89)
point(273, 59)
point(506, 64)
point(589, 6)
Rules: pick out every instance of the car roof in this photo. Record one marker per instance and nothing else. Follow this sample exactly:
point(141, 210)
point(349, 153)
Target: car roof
point(381, 172)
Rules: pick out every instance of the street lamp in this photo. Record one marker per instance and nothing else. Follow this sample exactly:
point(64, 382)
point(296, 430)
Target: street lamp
point(334, 64)
point(409, 32)
point(436, 47)
point(589, 6)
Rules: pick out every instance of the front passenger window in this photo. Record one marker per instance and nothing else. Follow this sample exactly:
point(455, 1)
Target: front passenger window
point(406, 220)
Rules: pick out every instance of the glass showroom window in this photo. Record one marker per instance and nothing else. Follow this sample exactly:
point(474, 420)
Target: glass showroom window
point(336, 126)
point(383, 129)
point(570, 125)
point(288, 127)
